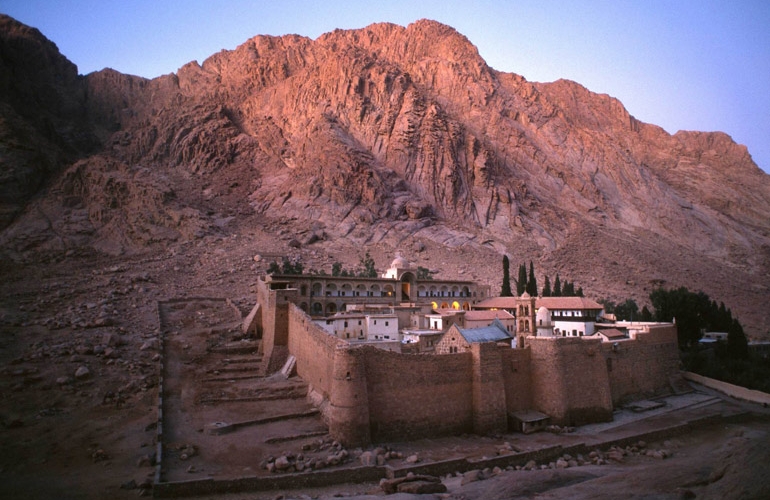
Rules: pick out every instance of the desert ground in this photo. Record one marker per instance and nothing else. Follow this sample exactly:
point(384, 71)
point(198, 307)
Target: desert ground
point(80, 362)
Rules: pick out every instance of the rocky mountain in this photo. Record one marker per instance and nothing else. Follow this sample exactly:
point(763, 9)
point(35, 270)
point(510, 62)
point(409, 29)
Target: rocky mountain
point(386, 137)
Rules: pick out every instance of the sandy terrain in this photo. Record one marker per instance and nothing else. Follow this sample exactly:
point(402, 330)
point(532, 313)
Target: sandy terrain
point(80, 366)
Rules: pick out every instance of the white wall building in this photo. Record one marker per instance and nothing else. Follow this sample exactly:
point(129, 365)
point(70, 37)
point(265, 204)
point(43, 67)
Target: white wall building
point(566, 316)
point(362, 327)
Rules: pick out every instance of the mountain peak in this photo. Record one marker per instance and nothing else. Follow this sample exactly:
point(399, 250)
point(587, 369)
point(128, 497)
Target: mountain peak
point(383, 136)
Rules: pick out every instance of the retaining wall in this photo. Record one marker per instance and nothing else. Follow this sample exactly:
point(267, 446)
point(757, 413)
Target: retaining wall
point(734, 391)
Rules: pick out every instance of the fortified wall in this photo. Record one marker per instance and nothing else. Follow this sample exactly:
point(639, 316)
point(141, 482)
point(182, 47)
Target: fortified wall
point(369, 395)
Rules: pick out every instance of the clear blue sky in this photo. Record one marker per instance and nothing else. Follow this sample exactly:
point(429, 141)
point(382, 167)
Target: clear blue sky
point(680, 64)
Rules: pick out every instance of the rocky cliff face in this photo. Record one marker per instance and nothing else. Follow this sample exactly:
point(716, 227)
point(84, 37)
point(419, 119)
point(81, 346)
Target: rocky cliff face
point(385, 137)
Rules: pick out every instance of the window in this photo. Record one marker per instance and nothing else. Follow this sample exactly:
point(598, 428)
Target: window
point(359, 322)
point(346, 324)
point(386, 323)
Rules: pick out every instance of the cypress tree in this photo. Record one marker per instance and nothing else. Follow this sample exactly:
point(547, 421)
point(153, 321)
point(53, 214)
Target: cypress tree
point(532, 281)
point(547, 287)
point(506, 289)
point(521, 284)
point(557, 286)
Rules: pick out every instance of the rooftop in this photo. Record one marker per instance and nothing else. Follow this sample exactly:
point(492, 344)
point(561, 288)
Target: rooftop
point(487, 315)
point(612, 333)
point(567, 303)
point(552, 303)
point(492, 333)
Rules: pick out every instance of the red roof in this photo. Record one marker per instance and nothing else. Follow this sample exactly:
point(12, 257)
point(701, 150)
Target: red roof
point(552, 303)
point(574, 303)
point(497, 303)
point(487, 315)
point(612, 333)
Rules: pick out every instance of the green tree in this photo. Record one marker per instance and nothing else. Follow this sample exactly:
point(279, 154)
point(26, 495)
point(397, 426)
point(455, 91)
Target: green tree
point(336, 269)
point(367, 267)
point(521, 283)
point(557, 286)
point(289, 267)
point(547, 287)
point(532, 281)
point(646, 314)
point(568, 289)
point(737, 345)
point(609, 305)
point(423, 273)
point(274, 268)
point(505, 291)
point(627, 310)
point(689, 309)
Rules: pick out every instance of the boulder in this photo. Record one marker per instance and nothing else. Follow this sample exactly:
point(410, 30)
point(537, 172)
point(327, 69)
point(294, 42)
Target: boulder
point(82, 373)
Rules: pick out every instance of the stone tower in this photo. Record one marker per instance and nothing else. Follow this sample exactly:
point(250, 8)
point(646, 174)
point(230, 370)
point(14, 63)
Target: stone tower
point(525, 318)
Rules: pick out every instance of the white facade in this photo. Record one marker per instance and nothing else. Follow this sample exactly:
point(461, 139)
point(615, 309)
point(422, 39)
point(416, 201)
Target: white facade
point(573, 328)
point(362, 327)
point(382, 327)
point(442, 321)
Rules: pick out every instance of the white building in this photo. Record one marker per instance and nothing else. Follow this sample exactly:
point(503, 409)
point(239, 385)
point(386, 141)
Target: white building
point(566, 316)
point(362, 327)
point(442, 319)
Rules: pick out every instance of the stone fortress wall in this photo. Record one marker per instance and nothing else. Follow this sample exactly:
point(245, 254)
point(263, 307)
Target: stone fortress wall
point(370, 395)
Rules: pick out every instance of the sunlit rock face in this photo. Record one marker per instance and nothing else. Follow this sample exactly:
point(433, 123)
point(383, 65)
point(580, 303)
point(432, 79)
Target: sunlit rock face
point(380, 135)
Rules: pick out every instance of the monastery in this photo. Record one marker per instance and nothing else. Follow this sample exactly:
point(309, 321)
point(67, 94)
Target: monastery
point(397, 357)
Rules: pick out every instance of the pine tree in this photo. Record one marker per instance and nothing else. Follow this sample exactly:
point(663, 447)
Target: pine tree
point(506, 289)
point(521, 284)
point(532, 281)
point(557, 286)
point(547, 287)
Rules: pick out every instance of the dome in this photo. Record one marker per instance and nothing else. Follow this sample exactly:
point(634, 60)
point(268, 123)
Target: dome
point(543, 316)
point(525, 295)
point(399, 263)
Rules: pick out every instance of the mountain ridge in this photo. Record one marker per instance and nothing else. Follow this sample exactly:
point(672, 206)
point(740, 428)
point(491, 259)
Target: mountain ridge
point(391, 136)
